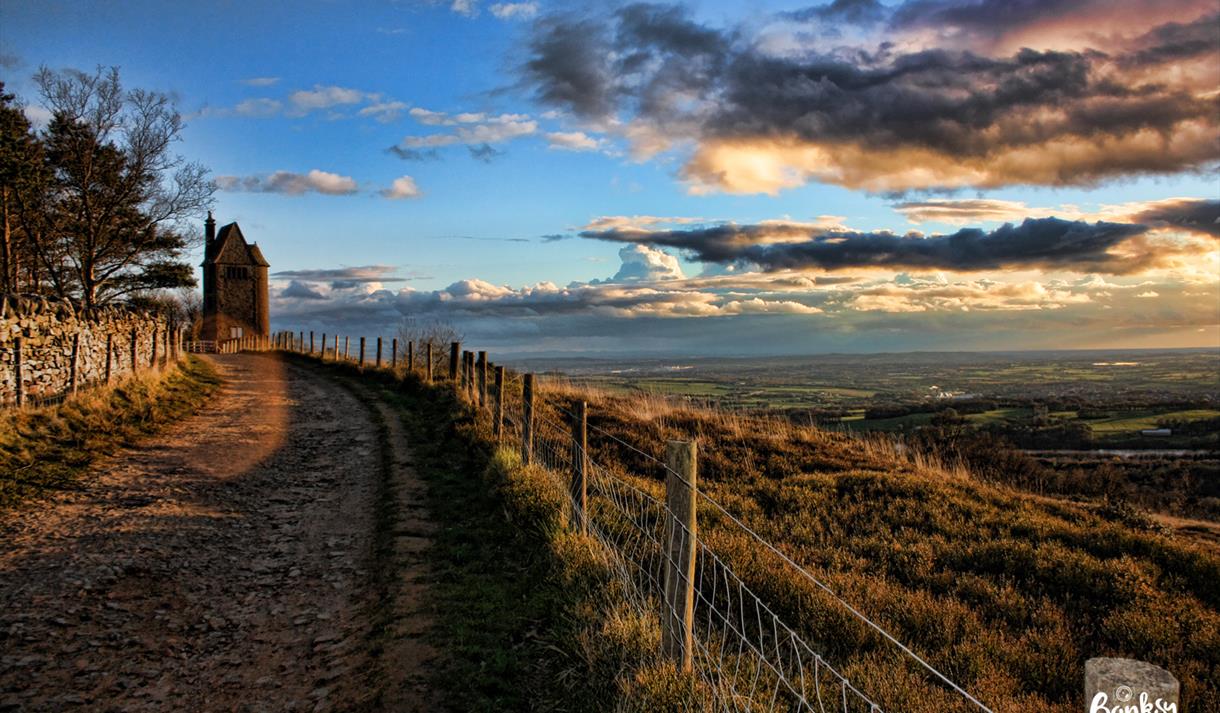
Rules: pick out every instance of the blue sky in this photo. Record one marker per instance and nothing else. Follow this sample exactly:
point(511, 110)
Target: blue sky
point(329, 87)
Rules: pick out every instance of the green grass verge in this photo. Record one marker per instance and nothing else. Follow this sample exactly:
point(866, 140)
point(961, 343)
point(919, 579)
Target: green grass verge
point(528, 615)
point(48, 449)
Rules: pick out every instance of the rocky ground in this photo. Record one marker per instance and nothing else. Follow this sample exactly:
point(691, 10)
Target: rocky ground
point(227, 564)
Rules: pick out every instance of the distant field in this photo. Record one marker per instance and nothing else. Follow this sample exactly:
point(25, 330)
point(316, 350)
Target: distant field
point(1135, 422)
point(1135, 388)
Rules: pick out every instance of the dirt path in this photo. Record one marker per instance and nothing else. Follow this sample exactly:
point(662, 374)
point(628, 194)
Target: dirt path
point(227, 564)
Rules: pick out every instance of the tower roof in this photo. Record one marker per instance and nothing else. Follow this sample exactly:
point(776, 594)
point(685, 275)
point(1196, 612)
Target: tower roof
point(218, 247)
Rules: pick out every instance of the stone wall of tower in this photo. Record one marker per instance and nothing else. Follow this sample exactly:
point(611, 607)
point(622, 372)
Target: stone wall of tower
point(261, 297)
point(238, 298)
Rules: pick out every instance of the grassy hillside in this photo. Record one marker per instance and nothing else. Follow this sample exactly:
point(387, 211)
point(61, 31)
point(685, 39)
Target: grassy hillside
point(1006, 593)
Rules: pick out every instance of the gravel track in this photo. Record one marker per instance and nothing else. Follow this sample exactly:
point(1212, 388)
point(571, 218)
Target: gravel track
point(225, 564)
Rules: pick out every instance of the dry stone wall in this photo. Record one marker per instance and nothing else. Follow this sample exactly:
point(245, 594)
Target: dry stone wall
point(49, 347)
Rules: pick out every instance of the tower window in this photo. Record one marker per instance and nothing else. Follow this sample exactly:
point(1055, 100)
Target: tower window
point(235, 272)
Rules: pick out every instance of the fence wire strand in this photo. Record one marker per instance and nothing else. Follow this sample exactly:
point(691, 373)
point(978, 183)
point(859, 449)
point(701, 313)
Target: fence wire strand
point(745, 656)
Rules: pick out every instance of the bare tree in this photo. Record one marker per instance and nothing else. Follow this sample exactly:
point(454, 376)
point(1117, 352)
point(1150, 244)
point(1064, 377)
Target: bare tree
point(434, 331)
point(120, 200)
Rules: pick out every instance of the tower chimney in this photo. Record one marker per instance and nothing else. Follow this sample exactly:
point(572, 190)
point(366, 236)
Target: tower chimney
point(209, 230)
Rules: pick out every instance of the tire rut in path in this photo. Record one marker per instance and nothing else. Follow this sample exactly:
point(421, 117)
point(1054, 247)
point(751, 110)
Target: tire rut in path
point(221, 565)
point(405, 658)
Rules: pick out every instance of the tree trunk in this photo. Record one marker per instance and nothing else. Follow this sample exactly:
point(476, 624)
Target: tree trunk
point(8, 278)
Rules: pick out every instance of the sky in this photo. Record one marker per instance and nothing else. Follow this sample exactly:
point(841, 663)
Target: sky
point(696, 179)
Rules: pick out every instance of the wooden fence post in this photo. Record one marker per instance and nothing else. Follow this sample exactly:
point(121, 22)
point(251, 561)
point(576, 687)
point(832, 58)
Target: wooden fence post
point(394, 353)
point(362, 352)
point(410, 356)
point(481, 370)
point(580, 465)
point(72, 367)
point(497, 423)
point(311, 342)
point(346, 348)
point(322, 354)
point(454, 348)
point(428, 364)
point(463, 369)
point(378, 362)
point(527, 420)
point(678, 619)
point(19, 388)
point(470, 386)
point(109, 355)
point(135, 350)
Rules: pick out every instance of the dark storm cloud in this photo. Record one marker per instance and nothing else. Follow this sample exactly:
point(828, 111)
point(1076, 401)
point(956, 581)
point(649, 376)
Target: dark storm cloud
point(1045, 243)
point(1198, 216)
point(484, 152)
point(855, 12)
point(1176, 41)
point(577, 63)
point(655, 65)
point(568, 66)
point(989, 16)
point(409, 154)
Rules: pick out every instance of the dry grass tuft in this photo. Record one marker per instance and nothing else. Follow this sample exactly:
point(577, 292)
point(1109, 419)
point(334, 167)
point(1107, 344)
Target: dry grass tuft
point(47, 449)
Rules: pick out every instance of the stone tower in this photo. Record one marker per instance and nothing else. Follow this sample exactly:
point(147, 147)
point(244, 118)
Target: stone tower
point(235, 300)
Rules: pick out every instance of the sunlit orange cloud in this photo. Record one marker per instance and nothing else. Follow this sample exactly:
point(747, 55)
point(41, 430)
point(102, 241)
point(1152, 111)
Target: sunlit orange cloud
point(770, 165)
point(1085, 24)
point(964, 211)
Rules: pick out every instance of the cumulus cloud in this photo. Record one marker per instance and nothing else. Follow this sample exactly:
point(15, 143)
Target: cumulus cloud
point(514, 10)
point(429, 117)
point(258, 107)
point(302, 291)
point(932, 110)
point(474, 129)
point(642, 263)
point(289, 183)
point(402, 187)
point(38, 116)
point(572, 141)
point(303, 102)
point(606, 222)
point(384, 111)
point(962, 211)
point(325, 97)
point(468, 8)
